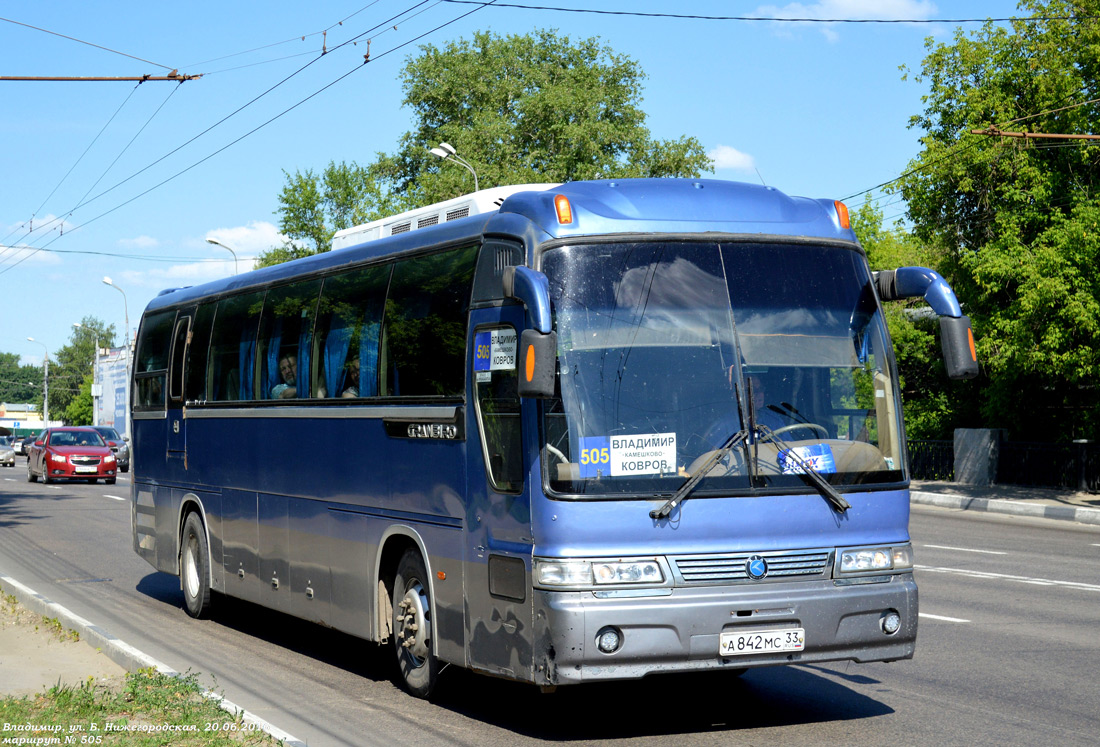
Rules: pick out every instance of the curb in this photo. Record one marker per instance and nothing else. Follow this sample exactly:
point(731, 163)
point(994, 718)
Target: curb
point(125, 655)
point(1002, 506)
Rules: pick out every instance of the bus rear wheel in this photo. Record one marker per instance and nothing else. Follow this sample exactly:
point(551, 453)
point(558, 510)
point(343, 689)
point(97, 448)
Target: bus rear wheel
point(412, 626)
point(195, 567)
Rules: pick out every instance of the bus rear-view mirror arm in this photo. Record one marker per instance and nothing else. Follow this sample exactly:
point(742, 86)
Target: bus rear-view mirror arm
point(536, 363)
point(956, 334)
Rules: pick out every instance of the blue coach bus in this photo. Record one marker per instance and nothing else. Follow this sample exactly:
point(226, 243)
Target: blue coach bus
point(587, 432)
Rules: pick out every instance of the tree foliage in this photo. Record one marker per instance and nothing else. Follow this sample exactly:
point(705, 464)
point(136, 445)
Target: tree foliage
point(1017, 218)
point(18, 382)
point(521, 109)
point(72, 363)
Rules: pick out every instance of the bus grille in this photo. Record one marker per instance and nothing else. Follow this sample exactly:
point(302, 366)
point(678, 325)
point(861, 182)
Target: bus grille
point(713, 569)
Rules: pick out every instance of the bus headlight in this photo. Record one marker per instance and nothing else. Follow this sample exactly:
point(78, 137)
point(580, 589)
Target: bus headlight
point(597, 573)
point(874, 559)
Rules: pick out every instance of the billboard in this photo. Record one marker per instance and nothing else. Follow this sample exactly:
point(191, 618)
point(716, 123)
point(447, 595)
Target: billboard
point(111, 406)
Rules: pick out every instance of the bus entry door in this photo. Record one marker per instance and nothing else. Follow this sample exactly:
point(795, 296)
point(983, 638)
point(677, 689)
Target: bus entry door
point(176, 415)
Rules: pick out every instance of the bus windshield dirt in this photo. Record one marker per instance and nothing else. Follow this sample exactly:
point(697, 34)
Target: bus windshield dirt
point(664, 347)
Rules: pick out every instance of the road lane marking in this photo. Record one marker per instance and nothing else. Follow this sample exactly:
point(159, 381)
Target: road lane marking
point(965, 549)
point(942, 618)
point(53, 487)
point(116, 497)
point(1010, 577)
point(9, 479)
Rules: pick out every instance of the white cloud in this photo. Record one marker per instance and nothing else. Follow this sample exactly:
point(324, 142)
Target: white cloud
point(245, 241)
point(258, 236)
point(140, 242)
point(726, 157)
point(886, 10)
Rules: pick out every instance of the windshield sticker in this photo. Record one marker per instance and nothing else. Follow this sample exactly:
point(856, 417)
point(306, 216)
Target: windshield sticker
point(495, 350)
point(818, 457)
point(623, 456)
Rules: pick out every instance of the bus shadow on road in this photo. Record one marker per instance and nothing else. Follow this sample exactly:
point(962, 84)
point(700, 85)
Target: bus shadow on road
point(659, 705)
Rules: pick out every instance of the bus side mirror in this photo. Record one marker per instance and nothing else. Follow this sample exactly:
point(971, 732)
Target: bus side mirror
point(537, 363)
point(959, 354)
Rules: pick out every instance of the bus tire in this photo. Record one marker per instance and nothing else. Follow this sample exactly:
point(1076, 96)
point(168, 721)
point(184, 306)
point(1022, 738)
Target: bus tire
point(195, 567)
point(412, 626)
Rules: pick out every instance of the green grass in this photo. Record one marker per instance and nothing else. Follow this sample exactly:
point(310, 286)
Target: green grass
point(148, 708)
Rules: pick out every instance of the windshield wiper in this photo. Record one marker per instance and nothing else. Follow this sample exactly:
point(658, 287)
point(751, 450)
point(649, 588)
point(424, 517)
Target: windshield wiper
point(827, 491)
point(694, 478)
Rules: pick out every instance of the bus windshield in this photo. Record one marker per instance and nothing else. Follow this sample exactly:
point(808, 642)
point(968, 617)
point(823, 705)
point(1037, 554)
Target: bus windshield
point(667, 348)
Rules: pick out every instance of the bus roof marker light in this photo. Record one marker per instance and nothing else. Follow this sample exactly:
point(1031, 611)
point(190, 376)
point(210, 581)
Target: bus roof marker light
point(563, 209)
point(842, 214)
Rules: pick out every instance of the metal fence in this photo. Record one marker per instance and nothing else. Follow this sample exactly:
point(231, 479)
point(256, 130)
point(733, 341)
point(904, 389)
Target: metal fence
point(1074, 466)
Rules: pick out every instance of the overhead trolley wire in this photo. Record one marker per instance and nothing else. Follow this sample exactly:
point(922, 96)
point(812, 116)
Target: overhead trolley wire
point(259, 127)
point(90, 44)
point(769, 19)
point(221, 121)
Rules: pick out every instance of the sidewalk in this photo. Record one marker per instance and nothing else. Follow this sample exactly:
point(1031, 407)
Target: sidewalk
point(1066, 505)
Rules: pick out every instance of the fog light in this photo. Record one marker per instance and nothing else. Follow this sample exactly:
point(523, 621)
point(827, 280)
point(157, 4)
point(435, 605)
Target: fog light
point(891, 622)
point(608, 640)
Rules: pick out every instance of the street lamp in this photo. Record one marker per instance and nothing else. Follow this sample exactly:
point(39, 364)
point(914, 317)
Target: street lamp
point(215, 242)
point(126, 311)
point(447, 152)
point(45, 383)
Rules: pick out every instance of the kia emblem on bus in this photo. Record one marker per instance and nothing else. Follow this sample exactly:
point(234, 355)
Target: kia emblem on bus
point(756, 567)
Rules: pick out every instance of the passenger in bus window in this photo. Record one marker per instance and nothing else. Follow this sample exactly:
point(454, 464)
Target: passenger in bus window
point(288, 369)
point(352, 389)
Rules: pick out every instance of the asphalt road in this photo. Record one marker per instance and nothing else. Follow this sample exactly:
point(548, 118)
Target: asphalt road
point(1008, 651)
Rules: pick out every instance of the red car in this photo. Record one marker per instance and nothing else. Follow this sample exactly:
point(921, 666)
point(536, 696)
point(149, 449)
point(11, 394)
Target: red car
point(70, 454)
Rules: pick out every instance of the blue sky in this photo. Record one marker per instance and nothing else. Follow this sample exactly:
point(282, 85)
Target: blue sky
point(128, 181)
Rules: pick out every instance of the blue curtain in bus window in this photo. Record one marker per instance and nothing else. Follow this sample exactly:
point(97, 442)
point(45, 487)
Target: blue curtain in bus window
point(368, 359)
point(247, 359)
point(335, 354)
point(271, 375)
point(302, 382)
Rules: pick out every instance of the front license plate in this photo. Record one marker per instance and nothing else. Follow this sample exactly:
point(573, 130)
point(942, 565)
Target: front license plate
point(761, 641)
point(84, 470)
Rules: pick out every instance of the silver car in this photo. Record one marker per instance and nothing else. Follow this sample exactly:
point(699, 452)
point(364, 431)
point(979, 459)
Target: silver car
point(7, 456)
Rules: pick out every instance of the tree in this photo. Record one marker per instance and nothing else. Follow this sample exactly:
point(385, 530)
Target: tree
point(18, 382)
point(72, 363)
point(1017, 218)
point(522, 109)
point(933, 405)
point(79, 409)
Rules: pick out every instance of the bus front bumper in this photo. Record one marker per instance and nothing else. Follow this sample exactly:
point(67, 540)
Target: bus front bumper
point(681, 631)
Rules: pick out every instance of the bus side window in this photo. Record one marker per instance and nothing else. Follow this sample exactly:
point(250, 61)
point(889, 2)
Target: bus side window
point(232, 367)
point(349, 320)
point(194, 382)
point(283, 348)
point(151, 360)
point(425, 333)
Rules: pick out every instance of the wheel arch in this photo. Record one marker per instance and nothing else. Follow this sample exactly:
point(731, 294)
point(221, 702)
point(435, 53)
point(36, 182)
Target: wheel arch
point(191, 503)
point(392, 545)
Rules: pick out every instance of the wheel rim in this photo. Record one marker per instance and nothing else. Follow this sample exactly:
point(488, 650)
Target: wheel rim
point(191, 581)
point(413, 624)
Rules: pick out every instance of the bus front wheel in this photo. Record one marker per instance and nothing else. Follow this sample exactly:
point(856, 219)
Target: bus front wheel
point(412, 626)
point(195, 567)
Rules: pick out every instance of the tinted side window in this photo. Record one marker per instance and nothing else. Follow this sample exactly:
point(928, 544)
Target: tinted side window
point(231, 369)
point(194, 387)
point(348, 331)
point(151, 360)
point(286, 332)
point(425, 332)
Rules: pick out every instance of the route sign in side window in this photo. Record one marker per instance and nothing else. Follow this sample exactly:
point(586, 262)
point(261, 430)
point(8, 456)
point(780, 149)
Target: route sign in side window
point(498, 409)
